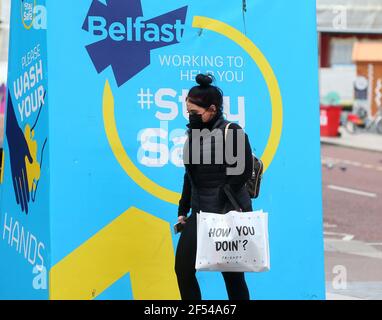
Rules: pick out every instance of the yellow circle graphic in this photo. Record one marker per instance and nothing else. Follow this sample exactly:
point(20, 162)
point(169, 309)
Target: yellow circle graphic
point(248, 46)
point(26, 26)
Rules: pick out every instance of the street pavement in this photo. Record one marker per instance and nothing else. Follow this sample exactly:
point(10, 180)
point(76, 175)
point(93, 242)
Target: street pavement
point(364, 141)
point(352, 204)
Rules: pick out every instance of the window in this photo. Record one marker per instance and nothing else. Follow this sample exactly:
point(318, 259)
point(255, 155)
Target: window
point(341, 51)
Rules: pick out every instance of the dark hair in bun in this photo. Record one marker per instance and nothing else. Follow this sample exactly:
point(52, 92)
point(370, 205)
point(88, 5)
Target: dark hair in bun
point(205, 94)
point(204, 80)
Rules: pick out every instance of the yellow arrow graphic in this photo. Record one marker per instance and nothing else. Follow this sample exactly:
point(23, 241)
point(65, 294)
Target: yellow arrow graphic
point(124, 160)
point(137, 243)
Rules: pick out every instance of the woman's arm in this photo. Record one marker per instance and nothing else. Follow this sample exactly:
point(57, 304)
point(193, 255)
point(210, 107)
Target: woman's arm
point(185, 200)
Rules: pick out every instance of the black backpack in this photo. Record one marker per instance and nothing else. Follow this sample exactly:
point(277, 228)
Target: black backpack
point(253, 183)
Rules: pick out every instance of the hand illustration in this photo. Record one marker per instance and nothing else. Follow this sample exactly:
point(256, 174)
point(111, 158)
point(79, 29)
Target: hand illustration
point(18, 152)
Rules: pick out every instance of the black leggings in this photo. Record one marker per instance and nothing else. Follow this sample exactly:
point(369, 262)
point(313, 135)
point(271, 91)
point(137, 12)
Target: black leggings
point(185, 268)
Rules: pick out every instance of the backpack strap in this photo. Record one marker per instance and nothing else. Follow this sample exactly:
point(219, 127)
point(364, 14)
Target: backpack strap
point(226, 131)
point(229, 193)
point(227, 188)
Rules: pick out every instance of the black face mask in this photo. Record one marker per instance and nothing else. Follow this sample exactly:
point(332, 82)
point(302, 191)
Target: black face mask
point(196, 121)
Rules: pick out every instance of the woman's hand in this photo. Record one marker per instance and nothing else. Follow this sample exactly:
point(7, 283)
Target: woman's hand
point(182, 219)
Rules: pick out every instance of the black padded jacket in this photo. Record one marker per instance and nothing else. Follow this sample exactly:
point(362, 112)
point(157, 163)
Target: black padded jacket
point(203, 183)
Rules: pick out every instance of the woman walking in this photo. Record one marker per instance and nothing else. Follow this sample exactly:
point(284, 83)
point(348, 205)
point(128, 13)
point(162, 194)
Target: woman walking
point(205, 182)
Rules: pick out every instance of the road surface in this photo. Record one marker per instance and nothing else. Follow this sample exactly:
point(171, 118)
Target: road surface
point(352, 204)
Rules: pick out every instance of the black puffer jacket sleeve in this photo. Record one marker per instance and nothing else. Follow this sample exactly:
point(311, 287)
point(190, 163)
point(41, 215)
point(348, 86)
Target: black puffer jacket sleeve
point(185, 200)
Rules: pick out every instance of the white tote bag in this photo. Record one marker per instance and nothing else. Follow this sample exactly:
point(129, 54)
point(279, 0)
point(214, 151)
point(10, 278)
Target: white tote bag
point(235, 242)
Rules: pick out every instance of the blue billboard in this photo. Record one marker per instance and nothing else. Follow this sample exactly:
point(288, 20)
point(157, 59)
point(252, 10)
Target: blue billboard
point(107, 171)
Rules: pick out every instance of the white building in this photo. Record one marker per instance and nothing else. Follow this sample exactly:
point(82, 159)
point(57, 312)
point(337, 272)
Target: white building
point(341, 24)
